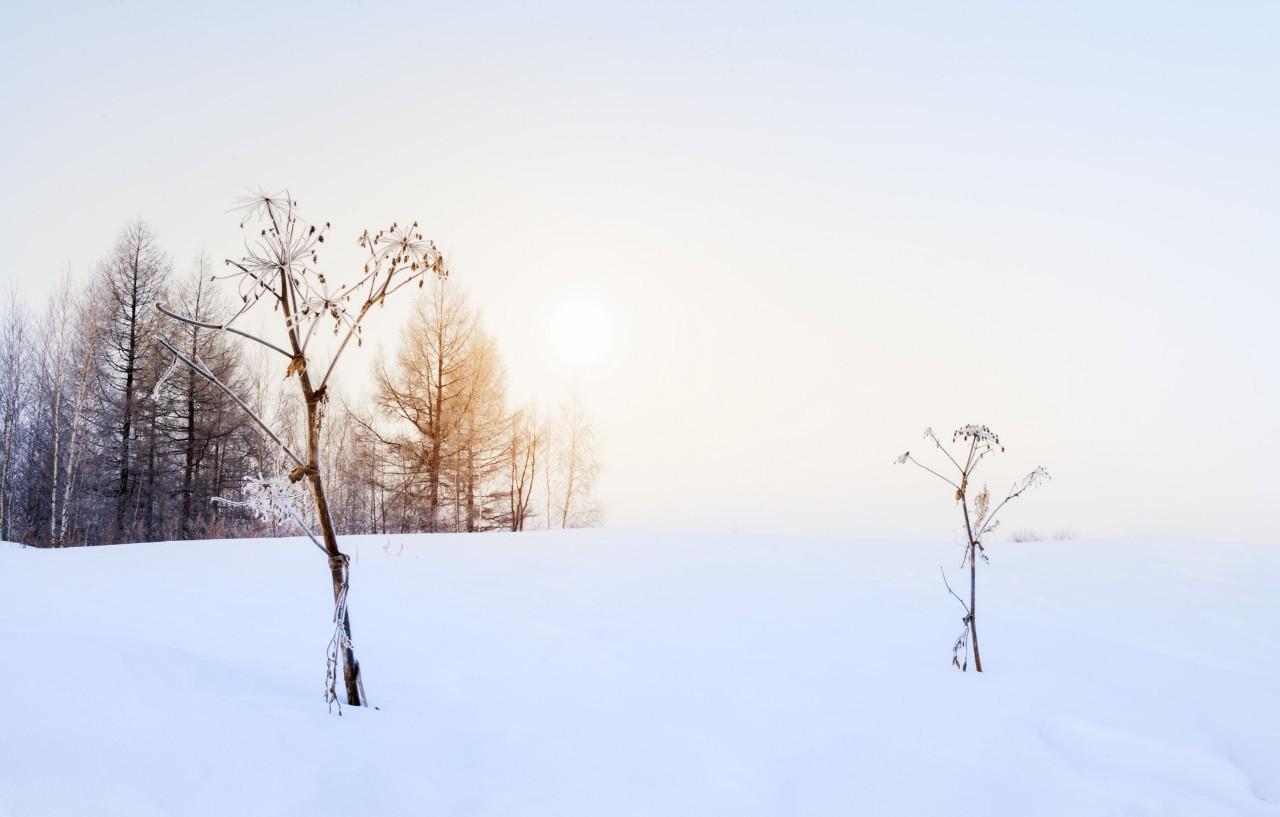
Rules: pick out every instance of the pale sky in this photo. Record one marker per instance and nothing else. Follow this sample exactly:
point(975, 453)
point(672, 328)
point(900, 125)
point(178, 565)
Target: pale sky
point(817, 230)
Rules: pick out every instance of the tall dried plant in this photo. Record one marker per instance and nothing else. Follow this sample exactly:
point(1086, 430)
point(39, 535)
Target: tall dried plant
point(281, 267)
point(975, 443)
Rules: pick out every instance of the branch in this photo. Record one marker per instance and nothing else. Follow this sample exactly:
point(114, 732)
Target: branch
point(204, 372)
point(908, 458)
point(368, 427)
point(952, 592)
point(1029, 481)
point(220, 328)
point(341, 348)
point(928, 433)
point(293, 514)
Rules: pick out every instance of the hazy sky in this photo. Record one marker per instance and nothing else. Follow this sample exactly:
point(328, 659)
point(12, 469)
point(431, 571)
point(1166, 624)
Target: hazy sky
point(817, 229)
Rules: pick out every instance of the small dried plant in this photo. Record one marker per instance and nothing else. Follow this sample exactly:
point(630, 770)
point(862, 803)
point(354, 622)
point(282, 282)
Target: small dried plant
point(975, 443)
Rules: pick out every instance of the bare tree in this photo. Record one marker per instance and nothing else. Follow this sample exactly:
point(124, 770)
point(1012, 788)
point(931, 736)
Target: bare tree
point(89, 313)
point(134, 273)
point(976, 443)
point(14, 339)
point(58, 336)
point(481, 449)
point(429, 391)
point(280, 267)
point(578, 467)
point(199, 418)
point(523, 464)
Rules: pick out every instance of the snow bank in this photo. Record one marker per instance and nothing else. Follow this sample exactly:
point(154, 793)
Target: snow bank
point(611, 674)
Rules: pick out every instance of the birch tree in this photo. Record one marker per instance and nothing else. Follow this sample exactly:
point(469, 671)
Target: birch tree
point(14, 386)
point(90, 329)
point(578, 466)
point(57, 334)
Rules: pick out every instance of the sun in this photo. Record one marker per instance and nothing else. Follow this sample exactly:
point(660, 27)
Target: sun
point(582, 331)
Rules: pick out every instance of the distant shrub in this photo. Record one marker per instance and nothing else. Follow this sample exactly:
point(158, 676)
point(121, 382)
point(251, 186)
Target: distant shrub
point(1030, 535)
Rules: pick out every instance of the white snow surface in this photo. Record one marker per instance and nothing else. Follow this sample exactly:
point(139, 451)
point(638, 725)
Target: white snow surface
point(626, 673)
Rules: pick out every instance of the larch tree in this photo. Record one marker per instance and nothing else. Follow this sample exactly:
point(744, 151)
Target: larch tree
point(480, 452)
point(135, 274)
point(199, 420)
point(429, 388)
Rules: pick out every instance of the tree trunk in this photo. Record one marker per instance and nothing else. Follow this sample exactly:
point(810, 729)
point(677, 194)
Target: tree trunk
point(57, 439)
point(471, 491)
point(189, 458)
point(150, 506)
point(71, 450)
point(130, 361)
point(7, 438)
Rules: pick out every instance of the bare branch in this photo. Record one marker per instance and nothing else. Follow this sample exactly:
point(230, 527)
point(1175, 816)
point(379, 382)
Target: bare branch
point(952, 592)
point(908, 458)
point(220, 328)
point(204, 372)
point(929, 435)
point(1029, 481)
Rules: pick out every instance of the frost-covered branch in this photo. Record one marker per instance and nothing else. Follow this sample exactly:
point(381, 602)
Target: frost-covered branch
point(221, 328)
point(272, 501)
point(269, 500)
point(906, 457)
point(202, 370)
point(1031, 480)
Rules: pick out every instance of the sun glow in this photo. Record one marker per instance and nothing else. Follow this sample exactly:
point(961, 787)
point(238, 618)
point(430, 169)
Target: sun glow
point(582, 331)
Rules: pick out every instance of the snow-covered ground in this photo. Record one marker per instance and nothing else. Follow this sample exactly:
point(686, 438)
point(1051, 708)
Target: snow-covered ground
point(611, 674)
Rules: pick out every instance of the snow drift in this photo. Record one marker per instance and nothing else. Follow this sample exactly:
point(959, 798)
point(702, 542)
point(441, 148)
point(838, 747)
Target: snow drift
point(604, 673)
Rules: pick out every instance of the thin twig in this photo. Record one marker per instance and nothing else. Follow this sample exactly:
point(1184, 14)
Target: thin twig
point(931, 471)
point(944, 450)
point(952, 592)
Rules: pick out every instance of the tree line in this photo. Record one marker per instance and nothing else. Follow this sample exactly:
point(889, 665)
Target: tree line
point(104, 439)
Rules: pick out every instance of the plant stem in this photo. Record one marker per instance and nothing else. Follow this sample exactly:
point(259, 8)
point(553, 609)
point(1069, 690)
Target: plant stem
point(973, 582)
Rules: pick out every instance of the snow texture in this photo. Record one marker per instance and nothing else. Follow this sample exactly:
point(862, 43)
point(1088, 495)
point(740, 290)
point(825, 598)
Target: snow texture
point(603, 673)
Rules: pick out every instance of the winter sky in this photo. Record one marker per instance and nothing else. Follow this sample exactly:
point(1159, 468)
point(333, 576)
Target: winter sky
point(816, 229)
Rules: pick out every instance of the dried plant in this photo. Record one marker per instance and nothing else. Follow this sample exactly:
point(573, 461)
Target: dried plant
point(975, 443)
point(281, 266)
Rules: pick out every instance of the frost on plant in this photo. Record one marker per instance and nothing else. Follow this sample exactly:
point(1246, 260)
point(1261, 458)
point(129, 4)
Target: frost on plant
point(274, 501)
